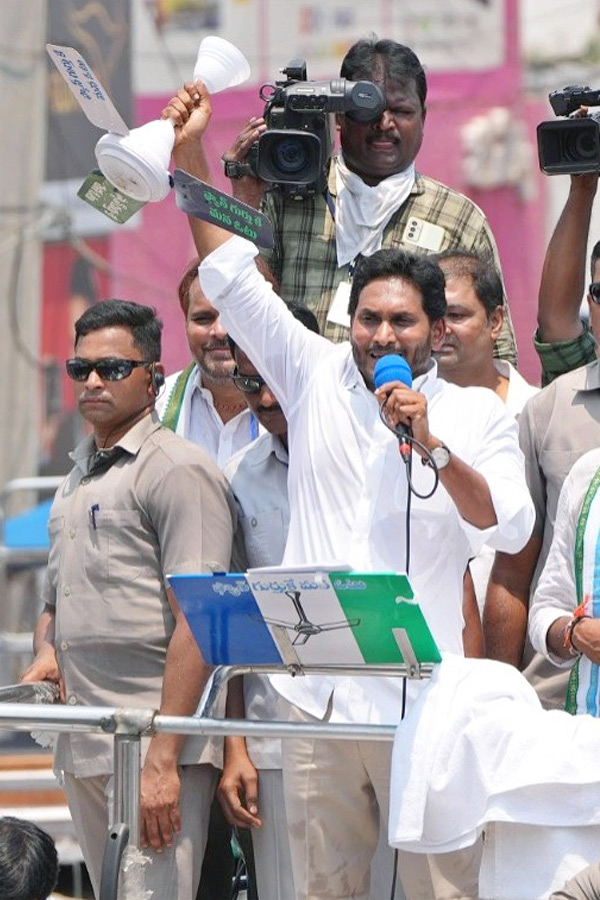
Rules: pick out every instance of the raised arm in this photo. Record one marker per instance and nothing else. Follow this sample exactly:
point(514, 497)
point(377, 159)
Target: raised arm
point(190, 110)
point(564, 273)
point(563, 341)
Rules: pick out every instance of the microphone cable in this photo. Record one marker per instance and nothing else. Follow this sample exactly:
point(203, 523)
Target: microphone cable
point(407, 442)
point(395, 368)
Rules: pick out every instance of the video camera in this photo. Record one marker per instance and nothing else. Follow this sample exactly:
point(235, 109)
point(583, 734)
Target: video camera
point(570, 146)
point(294, 151)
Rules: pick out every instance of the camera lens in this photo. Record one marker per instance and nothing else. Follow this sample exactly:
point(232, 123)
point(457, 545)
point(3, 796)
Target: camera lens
point(570, 146)
point(580, 146)
point(289, 155)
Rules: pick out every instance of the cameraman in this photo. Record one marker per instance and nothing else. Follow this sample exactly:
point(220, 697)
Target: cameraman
point(374, 196)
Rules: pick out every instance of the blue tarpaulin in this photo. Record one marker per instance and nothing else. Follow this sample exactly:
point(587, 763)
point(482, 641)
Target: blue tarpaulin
point(29, 529)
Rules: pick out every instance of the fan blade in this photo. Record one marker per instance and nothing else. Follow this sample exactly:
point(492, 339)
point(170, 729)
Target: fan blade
point(86, 89)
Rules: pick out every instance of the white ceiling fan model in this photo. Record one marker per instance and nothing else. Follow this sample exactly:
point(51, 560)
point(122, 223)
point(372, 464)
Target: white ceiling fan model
point(136, 162)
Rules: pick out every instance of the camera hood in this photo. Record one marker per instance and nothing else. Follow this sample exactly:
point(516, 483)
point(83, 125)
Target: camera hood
point(569, 146)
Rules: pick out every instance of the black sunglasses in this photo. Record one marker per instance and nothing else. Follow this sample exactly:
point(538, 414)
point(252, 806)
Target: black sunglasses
point(594, 291)
point(249, 384)
point(109, 369)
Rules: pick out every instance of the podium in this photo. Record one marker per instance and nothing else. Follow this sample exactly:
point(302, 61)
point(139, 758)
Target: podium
point(310, 620)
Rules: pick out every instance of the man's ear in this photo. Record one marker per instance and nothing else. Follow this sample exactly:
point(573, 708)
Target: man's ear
point(496, 321)
point(438, 333)
point(157, 378)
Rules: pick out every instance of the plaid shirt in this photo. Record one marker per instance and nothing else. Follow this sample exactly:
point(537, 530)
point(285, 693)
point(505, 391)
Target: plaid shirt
point(564, 356)
point(304, 257)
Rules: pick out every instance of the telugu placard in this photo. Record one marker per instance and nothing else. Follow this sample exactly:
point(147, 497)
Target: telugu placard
point(205, 202)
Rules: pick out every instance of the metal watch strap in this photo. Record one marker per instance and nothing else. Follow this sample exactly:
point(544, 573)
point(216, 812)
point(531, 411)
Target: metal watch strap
point(235, 169)
point(440, 456)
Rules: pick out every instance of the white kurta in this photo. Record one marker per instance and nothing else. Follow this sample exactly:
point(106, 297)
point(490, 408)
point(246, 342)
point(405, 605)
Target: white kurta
point(556, 592)
point(200, 422)
point(347, 483)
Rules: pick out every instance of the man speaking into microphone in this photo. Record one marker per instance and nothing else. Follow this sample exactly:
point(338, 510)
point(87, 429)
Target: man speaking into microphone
point(348, 492)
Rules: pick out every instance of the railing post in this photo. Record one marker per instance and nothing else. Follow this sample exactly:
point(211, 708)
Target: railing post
point(127, 784)
point(129, 725)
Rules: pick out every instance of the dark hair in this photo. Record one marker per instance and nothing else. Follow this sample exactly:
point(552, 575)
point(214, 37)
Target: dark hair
point(420, 271)
point(484, 276)
point(142, 321)
point(187, 279)
point(595, 257)
point(302, 313)
point(400, 64)
point(191, 273)
point(28, 861)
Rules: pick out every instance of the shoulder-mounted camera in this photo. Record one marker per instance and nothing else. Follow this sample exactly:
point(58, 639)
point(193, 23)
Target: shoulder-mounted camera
point(294, 151)
point(570, 146)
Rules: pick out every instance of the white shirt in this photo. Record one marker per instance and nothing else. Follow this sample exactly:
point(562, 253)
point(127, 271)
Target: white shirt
point(258, 479)
point(200, 423)
point(519, 392)
point(556, 593)
point(347, 484)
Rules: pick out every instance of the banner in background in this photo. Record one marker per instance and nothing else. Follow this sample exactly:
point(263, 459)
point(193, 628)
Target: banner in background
point(449, 36)
point(71, 284)
point(101, 33)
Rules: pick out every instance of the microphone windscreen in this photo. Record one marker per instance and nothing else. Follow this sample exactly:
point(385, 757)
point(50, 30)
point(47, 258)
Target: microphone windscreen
point(392, 368)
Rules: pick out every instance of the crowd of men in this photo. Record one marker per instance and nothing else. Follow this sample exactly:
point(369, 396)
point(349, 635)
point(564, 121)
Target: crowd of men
point(273, 446)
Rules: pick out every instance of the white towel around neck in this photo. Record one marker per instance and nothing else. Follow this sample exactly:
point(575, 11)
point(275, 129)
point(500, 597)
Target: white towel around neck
point(363, 211)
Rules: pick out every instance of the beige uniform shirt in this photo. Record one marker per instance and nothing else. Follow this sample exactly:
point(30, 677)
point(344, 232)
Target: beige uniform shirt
point(162, 508)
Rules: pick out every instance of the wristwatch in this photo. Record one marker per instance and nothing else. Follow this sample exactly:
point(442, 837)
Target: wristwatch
point(439, 457)
point(235, 169)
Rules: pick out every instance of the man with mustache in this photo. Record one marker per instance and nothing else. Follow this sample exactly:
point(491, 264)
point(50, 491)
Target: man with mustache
point(138, 504)
point(349, 500)
point(374, 198)
point(474, 317)
point(201, 403)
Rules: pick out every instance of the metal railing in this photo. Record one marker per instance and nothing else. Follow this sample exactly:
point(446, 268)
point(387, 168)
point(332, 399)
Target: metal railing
point(128, 725)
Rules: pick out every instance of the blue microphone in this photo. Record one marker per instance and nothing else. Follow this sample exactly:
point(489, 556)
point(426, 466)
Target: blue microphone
point(395, 368)
point(392, 368)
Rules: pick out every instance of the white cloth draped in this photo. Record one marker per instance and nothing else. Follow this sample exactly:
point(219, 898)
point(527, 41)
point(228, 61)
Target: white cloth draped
point(477, 748)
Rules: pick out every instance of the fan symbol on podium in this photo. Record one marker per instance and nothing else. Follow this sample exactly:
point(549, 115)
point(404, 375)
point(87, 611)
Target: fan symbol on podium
point(304, 628)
